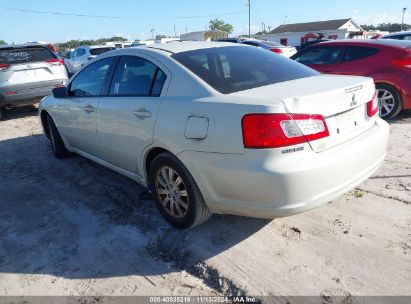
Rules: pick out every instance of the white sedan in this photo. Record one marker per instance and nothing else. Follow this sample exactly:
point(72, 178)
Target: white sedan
point(220, 128)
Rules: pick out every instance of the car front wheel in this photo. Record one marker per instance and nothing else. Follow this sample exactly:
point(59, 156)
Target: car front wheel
point(389, 100)
point(176, 194)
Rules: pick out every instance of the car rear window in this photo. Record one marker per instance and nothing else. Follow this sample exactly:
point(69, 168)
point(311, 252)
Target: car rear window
point(22, 55)
point(237, 68)
point(99, 51)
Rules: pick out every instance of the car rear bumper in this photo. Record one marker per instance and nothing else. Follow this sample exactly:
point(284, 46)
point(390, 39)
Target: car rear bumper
point(262, 184)
point(26, 94)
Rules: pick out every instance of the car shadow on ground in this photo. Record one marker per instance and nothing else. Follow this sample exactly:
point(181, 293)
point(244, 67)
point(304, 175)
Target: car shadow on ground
point(19, 112)
point(403, 117)
point(72, 218)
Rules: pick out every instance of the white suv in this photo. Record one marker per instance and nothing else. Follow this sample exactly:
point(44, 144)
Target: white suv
point(28, 72)
point(82, 54)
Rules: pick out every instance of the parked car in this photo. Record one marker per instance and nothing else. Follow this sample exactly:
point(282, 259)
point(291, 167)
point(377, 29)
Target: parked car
point(311, 42)
point(232, 40)
point(28, 72)
point(287, 51)
point(82, 54)
point(220, 128)
point(387, 61)
point(398, 36)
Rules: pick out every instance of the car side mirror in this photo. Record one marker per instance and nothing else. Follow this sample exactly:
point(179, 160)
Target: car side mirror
point(60, 92)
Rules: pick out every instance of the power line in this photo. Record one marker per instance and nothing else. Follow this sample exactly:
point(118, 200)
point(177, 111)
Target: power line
point(117, 17)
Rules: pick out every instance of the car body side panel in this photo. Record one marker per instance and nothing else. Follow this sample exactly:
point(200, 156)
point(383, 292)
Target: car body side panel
point(224, 128)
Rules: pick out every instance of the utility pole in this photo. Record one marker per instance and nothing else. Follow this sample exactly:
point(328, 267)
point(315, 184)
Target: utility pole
point(175, 32)
point(402, 22)
point(152, 33)
point(249, 18)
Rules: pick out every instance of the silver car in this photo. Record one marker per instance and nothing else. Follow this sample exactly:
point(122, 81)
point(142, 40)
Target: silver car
point(214, 127)
point(83, 54)
point(28, 72)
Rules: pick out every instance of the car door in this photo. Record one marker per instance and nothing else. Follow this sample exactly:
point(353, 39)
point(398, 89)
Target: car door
point(126, 118)
point(321, 58)
point(70, 61)
point(79, 60)
point(357, 60)
point(76, 114)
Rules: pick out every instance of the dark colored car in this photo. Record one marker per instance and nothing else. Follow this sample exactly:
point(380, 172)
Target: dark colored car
point(312, 42)
point(387, 61)
point(398, 36)
point(232, 40)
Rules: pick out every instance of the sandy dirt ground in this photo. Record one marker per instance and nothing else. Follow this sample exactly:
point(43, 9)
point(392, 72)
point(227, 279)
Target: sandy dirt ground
point(72, 227)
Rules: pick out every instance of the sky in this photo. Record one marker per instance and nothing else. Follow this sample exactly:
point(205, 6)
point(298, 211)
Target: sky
point(134, 19)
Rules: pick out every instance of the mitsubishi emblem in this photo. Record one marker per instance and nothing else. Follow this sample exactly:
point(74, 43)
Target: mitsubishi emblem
point(353, 102)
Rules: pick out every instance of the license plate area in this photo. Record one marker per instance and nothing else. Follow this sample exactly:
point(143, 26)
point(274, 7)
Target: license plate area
point(346, 122)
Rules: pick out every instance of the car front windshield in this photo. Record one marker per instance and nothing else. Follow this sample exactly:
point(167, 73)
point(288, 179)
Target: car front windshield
point(237, 68)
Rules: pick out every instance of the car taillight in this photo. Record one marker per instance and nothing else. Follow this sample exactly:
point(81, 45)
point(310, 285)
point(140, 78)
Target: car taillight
point(404, 62)
point(372, 106)
point(56, 61)
point(4, 66)
point(281, 130)
point(278, 51)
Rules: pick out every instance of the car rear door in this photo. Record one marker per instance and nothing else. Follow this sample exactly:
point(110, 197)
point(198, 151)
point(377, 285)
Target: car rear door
point(75, 115)
point(126, 117)
point(321, 58)
point(357, 60)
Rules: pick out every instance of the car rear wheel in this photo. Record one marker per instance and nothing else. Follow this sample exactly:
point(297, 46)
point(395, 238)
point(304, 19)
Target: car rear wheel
point(389, 100)
point(176, 194)
point(57, 144)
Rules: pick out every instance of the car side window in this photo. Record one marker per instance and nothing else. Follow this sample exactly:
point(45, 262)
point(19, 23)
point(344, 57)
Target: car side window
point(73, 54)
point(135, 76)
point(81, 52)
point(406, 37)
point(320, 55)
point(358, 52)
point(92, 80)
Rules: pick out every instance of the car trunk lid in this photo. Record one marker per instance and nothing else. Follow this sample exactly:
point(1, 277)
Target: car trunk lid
point(341, 100)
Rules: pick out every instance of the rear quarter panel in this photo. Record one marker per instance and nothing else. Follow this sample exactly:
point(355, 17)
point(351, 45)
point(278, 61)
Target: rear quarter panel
point(224, 115)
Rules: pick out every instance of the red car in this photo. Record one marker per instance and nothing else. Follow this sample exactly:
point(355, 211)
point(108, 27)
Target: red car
point(387, 61)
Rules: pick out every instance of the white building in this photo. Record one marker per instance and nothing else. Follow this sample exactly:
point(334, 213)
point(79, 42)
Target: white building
point(299, 33)
point(203, 36)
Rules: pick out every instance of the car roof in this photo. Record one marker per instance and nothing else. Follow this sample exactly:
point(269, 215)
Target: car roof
point(369, 42)
point(398, 34)
point(184, 46)
point(8, 46)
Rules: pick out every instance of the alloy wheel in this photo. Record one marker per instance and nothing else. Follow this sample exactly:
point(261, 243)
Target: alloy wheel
point(171, 192)
point(386, 102)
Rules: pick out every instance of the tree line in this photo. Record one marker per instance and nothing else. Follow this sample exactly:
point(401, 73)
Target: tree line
point(387, 27)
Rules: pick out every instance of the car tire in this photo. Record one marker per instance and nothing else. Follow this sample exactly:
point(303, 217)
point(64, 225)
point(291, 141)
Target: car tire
point(1, 113)
point(176, 194)
point(390, 101)
point(57, 144)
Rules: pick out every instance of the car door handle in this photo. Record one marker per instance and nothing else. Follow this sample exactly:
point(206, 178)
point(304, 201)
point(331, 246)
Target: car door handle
point(142, 113)
point(89, 108)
